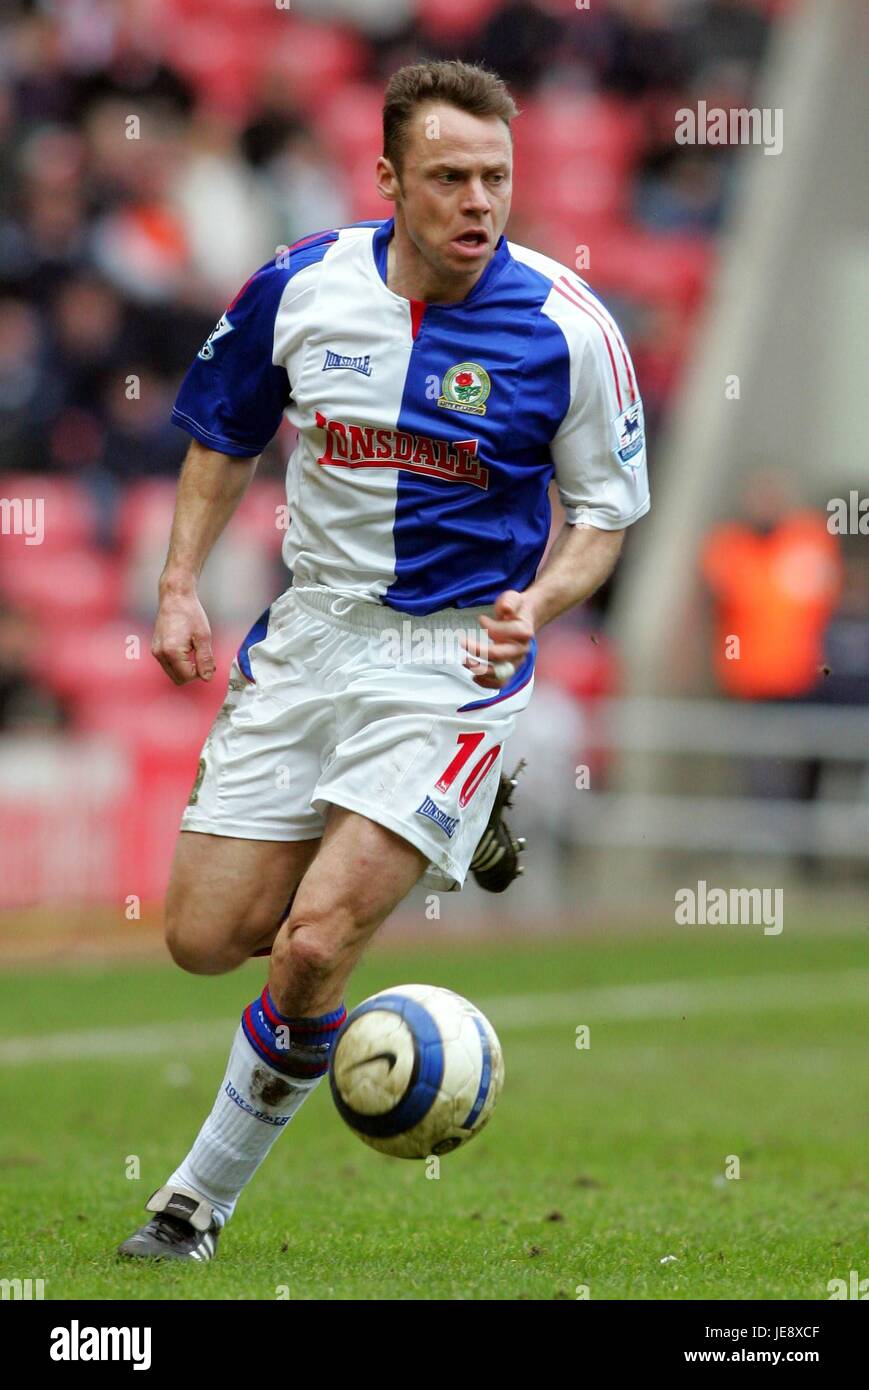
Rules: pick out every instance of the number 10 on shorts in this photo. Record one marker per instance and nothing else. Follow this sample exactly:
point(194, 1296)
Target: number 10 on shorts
point(468, 745)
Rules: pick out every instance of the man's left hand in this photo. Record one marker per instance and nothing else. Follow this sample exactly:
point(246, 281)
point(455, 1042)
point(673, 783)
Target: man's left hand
point(506, 638)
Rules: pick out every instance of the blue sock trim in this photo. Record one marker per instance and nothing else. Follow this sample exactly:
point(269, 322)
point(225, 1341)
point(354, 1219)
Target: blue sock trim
point(295, 1046)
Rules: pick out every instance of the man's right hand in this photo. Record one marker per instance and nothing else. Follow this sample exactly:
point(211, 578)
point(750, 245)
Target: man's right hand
point(210, 488)
point(182, 638)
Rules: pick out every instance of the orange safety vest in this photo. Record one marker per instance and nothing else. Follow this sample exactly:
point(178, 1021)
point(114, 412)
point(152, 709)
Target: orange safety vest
point(776, 594)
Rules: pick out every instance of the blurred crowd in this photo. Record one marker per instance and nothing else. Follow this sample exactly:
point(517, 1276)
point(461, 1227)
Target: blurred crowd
point(154, 152)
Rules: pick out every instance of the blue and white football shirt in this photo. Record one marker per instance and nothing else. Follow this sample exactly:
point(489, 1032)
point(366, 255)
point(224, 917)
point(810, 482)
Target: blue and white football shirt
point(428, 433)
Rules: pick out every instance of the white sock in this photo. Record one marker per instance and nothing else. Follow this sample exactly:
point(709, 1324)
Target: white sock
point(253, 1107)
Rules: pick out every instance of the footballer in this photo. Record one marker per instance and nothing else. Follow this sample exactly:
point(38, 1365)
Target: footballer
point(439, 377)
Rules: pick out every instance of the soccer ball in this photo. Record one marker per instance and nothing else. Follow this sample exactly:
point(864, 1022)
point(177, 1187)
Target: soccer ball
point(416, 1071)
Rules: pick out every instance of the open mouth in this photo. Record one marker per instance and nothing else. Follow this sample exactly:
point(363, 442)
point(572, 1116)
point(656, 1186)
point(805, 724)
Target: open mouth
point(473, 240)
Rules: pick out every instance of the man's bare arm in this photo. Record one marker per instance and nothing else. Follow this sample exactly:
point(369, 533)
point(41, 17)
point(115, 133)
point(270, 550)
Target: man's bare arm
point(578, 563)
point(210, 488)
point(581, 559)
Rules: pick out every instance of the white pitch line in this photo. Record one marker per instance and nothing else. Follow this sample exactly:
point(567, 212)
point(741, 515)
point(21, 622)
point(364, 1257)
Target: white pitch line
point(509, 1013)
point(673, 998)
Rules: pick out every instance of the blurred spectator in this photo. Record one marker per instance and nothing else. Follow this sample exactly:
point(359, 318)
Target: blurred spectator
point(775, 579)
point(87, 338)
point(152, 166)
point(683, 192)
point(140, 440)
point(216, 187)
point(298, 178)
point(25, 707)
point(45, 233)
point(22, 386)
point(724, 30)
point(632, 48)
point(520, 42)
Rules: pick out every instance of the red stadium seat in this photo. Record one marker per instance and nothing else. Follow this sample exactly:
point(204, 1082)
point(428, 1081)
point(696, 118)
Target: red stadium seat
point(238, 580)
point(446, 20)
point(574, 155)
point(568, 127)
point(145, 512)
point(365, 202)
point(579, 186)
point(64, 510)
point(349, 122)
point(244, 51)
point(262, 513)
point(61, 587)
point(628, 261)
point(132, 709)
point(313, 60)
point(644, 266)
point(172, 720)
point(584, 668)
point(114, 659)
point(218, 63)
point(132, 701)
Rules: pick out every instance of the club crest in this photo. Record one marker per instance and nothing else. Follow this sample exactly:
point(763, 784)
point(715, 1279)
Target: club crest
point(465, 388)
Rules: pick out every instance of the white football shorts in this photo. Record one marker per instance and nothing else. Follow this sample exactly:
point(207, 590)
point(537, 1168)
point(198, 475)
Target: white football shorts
point(344, 701)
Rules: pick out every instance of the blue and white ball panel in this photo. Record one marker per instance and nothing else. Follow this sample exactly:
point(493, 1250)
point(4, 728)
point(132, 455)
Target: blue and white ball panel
point(407, 1042)
point(485, 1084)
point(416, 1071)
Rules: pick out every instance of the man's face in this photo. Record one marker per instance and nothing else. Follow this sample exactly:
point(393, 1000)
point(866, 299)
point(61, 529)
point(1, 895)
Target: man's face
point(453, 189)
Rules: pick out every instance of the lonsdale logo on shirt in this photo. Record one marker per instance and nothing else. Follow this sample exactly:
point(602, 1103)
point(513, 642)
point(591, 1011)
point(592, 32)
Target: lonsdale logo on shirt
point(363, 446)
point(466, 388)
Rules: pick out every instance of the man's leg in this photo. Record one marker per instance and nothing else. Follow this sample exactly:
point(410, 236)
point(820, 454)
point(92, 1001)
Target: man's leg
point(227, 897)
point(358, 875)
point(362, 871)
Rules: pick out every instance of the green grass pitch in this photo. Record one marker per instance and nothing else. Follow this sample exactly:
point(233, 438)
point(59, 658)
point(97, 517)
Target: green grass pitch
point(598, 1164)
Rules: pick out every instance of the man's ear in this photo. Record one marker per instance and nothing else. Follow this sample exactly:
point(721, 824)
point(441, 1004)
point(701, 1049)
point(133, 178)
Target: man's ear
point(387, 181)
